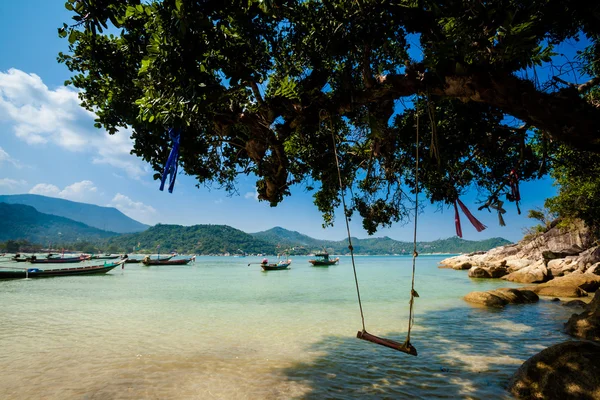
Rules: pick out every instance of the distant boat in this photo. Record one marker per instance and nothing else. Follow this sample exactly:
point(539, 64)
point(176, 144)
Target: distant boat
point(137, 260)
point(276, 267)
point(17, 257)
point(322, 260)
point(57, 260)
point(147, 261)
point(105, 257)
point(47, 273)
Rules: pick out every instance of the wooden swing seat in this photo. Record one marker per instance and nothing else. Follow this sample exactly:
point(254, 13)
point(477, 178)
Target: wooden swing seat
point(405, 347)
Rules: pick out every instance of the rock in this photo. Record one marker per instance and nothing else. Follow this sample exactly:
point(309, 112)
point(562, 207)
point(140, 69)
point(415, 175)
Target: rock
point(515, 296)
point(495, 270)
point(501, 297)
point(590, 256)
point(557, 240)
point(587, 282)
point(569, 251)
point(534, 273)
point(555, 299)
point(459, 262)
point(561, 266)
point(575, 303)
point(594, 269)
point(557, 291)
point(516, 264)
point(486, 299)
point(587, 324)
point(565, 371)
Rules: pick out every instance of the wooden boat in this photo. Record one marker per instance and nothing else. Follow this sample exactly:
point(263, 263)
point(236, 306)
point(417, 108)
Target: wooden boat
point(56, 260)
point(276, 267)
point(47, 273)
point(105, 257)
point(322, 259)
point(18, 258)
point(147, 261)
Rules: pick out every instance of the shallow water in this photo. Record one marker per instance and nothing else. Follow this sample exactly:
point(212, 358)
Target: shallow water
point(222, 329)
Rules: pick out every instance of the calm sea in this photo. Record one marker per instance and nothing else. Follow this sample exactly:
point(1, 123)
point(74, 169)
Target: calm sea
point(225, 330)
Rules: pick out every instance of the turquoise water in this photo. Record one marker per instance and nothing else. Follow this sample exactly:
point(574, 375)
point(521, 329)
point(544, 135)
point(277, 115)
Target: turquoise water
point(222, 329)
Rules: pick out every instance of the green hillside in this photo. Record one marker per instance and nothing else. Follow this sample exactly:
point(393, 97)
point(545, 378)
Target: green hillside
point(302, 244)
point(18, 221)
point(105, 218)
point(197, 239)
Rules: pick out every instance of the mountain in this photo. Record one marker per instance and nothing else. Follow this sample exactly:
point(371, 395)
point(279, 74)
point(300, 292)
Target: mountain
point(303, 244)
point(198, 239)
point(18, 221)
point(105, 218)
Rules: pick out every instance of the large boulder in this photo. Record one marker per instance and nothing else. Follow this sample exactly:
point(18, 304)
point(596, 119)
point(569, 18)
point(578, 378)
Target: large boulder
point(490, 270)
point(594, 269)
point(460, 262)
point(557, 291)
point(561, 266)
point(515, 296)
point(486, 299)
point(534, 273)
point(587, 324)
point(587, 282)
point(516, 264)
point(565, 371)
point(501, 297)
point(558, 240)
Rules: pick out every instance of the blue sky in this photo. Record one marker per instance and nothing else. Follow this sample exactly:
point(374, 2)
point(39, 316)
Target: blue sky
point(48, 145)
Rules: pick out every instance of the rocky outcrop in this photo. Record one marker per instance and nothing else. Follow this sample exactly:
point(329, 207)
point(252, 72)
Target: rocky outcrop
point(501, 297)
point(587, 324)
point(558, 241)
point(534, 273)
point(587, 282)
point(565, 371)
point(488, 271)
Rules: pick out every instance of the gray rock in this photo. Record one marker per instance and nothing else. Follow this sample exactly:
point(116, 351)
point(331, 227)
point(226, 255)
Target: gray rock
point(575, 303)
point(486, 299)
point(587, 324)
point(565, 371)
point(534, 273)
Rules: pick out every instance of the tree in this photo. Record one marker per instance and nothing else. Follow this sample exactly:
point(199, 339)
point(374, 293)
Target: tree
point(264, 87)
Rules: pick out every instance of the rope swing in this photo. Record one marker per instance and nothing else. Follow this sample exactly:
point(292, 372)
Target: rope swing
point(405, 347)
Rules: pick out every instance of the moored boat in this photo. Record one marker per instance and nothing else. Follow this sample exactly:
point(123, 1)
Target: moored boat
point(322, 259)
point(148, 261)
point(276, 267)
point(47, 273)
point(105, 257)
point(57, 260)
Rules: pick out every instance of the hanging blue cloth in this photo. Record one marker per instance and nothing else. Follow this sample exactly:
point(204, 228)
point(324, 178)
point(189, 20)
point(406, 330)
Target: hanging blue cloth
point(172, 161)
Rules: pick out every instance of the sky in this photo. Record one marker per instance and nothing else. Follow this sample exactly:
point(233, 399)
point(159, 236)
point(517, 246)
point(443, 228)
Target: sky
point(49, 146)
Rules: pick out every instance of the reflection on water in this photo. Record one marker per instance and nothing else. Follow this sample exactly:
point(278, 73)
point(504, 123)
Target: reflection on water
point(221, 329)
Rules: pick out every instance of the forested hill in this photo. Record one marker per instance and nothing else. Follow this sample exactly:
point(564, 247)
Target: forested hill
point(105, 218)
point(303, 244)
point(18, 221)
point(197, 239)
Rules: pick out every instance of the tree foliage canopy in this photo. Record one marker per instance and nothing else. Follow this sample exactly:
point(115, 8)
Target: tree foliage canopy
point(259, 86)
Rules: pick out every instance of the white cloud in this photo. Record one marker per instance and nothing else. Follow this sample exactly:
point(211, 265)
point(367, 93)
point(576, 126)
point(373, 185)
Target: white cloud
point(219, 201)
point(83, 191)
point(251, 195)
point(8, 185)
point(134, 209)
point(5, 157)
point(40, 115)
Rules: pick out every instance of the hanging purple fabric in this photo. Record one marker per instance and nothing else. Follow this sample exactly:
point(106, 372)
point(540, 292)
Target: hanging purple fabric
point(172, 161)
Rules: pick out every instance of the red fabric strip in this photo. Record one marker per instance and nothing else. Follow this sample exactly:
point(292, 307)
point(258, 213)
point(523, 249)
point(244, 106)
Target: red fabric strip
point(478, 225)
point(457, 221)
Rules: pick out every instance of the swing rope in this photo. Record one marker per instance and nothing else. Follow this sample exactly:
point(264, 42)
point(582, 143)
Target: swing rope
point(337, 163)
point(406, 346)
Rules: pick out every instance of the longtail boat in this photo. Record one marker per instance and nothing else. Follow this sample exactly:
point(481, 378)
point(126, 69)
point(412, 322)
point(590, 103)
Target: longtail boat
point(322, 259)
point(276, 267)
point(56, 260)
point(47, 273)
point(105, 257)
point(137, 260)
point(18, 258)
point(147, 261)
